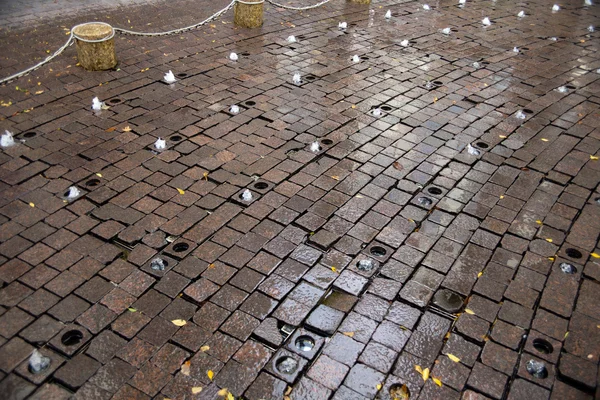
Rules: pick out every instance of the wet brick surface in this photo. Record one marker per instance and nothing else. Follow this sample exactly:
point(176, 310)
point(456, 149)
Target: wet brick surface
point(323, 285)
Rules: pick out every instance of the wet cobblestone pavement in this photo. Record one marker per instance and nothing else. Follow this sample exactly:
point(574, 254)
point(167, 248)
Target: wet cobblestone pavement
point(445, 249)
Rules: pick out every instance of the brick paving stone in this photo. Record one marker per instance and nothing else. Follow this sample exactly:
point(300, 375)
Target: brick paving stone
point(488, 381)
point(256, 276)
point(364, 380)
point(77, 371)
point(266, 387)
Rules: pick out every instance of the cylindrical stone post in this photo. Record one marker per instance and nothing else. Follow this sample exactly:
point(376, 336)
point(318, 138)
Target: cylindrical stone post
point(248, 14)
point(95, 46)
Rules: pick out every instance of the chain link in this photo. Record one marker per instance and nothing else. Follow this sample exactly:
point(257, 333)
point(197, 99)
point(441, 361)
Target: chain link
point(180, 30)
point(298, 8)
point(171, 32)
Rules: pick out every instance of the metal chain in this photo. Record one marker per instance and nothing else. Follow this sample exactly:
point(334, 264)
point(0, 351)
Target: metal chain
point(171, 32)
point(180, 30)
point(38, 65)
point(299, 8)
point(71, 37)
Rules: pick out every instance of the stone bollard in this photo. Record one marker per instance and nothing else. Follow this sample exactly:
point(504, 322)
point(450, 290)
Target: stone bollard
point(248, 13)
point(95, 46)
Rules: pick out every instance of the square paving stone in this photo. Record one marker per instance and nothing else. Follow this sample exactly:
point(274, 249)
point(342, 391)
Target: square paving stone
point(266, 387)
point(240, 325)
point(364, 380)
point(324, 319)
point(344, 349)
point(487, 381)
point(77, 371)
point(328, 372)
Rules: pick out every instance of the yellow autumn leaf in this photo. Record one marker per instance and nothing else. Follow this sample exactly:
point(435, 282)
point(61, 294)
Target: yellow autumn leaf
point(593, 157)
point(426, 374)
point(419, 369)
point(39, 92)
point(379, 386)
point(179, 322)
point(566, 334)
point(502, 136)
point(211, 266)
point(479, 274)
point(185, 368)
point(230, 396)
point(288, 391)
point(131, 309)
point(99, 175)
point(210, 374)
point(181, 191)
point(196, 389)
point(127, 129)
point(337, 178)
point(205, 175)
point(544, 140)
point(31, 205)
point(502, 196)
point(437, 381)
point(595, 255)
point(549, 240)
point(539, 222)
point(551, 258)
point(468, 311)
point(349, 334)
point(353, 106)
point(204, 348)
point(334, 270)
point(222, 392)
point(453, 358)
point(399, 393)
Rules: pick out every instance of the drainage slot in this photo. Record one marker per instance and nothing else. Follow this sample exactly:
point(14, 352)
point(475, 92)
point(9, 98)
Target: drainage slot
point(327, 142)
point(261, 185)
point(181, 75)
point(250, 103)
point(115, 101)
point(71, 338)
point(543, 346)
point(180, 247)
point(92, 182)
point(378, 251)
point(434, 190)
point(29, 135)
point(448, 301)
point(482, 145)
point(574, 253)
point(175, 138)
